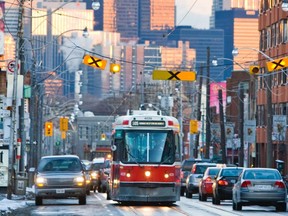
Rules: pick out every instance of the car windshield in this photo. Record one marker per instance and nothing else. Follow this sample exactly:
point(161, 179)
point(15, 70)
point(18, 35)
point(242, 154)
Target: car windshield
point(98, 166)
point(200, 169)
point(262, 174)
point(231, 172)
point(213, 172)
point(59, 164)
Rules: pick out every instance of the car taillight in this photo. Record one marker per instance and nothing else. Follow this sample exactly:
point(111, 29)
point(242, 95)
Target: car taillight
point(194, 169)
point(182, 174)
point(222, 182)
point(279, 184)
point(246, 184)
point(208, 179)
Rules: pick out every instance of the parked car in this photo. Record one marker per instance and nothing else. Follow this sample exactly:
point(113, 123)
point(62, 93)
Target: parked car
point(99, 171)
point(192, 181)
point(205, 184)
point(60, 176)
point(260, 186)
point(186, 168)
point(224, 182)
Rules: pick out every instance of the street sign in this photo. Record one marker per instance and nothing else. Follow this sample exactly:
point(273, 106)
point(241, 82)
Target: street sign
point(174, 75)
point(94, 62)
point(277, 64)
point(11, 66)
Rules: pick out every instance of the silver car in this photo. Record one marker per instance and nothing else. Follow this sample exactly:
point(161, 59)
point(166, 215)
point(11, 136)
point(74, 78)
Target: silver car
point(260, 186)
point(60, 176)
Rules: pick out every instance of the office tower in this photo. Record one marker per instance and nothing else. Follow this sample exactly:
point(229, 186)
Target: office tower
point(219, 5)
point(200, 39)
point(240, 30)
point(135, 20)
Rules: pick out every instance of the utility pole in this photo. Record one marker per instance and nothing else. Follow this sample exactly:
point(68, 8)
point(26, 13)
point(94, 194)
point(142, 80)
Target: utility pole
point(222, 126)
point(208, 134)
point(241, 124)
point(199, 109)
point(269, 121)
point(13, 129)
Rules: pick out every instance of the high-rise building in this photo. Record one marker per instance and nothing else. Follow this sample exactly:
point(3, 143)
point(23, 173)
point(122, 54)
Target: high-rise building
point(135, 20)
point(219, 5)
point(200, 39)
point(240, 30)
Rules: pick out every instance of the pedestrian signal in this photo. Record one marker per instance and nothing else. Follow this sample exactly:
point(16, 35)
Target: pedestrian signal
point(48, 128)
point(94, 62)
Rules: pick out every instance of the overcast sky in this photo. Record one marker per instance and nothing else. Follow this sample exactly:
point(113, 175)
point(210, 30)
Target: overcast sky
point(198, 17)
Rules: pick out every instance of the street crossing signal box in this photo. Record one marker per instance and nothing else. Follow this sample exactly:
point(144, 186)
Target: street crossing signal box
point(48, 128)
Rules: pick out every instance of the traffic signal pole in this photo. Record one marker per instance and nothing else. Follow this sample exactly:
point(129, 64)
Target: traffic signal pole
point(199, 109)
point(13, 129)
point(208, 133)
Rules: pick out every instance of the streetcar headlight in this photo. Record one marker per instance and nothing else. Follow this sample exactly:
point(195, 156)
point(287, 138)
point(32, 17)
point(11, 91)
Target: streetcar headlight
point(166, 175)
point(147, 173)
point(128, 175)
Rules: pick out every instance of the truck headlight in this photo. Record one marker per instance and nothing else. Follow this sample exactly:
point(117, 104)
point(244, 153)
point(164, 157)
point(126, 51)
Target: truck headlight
point(40, 181)
point(79, 180)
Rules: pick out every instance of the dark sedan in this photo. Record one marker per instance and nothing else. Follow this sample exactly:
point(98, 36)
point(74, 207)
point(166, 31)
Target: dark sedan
point(224, 182)
point(260, 186)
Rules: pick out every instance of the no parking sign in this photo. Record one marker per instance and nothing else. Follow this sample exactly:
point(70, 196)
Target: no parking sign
point(11, 66)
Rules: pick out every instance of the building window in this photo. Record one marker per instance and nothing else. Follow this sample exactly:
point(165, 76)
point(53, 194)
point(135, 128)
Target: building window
point(284, 30)
point(261, 115)
point(284, 76)
point(268, 38)
point(273, 35)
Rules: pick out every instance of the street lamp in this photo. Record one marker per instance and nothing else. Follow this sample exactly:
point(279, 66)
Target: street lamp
point(284, 5)
point(95, 5)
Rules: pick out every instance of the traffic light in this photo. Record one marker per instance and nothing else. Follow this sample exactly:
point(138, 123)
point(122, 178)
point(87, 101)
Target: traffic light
point(94, 62)
point(115, 68)
point(254, 69)
point(103, 136)
point(193, 126)
point(64, 124)
point(48, 128)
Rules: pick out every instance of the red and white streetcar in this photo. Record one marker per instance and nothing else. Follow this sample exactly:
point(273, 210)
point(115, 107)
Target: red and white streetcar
point(146, 158)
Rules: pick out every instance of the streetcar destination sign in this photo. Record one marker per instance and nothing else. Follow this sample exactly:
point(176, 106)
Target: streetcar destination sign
point(148, 123)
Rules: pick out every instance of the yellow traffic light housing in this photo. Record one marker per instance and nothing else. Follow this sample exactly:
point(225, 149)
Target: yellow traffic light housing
point(64, 124)
point(48, 128)
point(94, 62)
point(254, 69)
point(193, 126)
point(115, 68)
point(103, 136)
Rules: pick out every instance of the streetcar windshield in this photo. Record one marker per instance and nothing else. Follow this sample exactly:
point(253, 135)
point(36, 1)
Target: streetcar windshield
point(149, 147)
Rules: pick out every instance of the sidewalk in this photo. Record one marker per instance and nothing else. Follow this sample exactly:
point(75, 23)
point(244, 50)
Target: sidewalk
point(17, 201)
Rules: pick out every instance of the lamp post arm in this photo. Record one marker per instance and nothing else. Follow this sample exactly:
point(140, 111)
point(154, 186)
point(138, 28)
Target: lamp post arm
point(237, 63)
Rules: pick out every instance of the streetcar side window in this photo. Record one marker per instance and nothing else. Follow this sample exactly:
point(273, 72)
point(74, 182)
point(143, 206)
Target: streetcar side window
point(177, 148)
